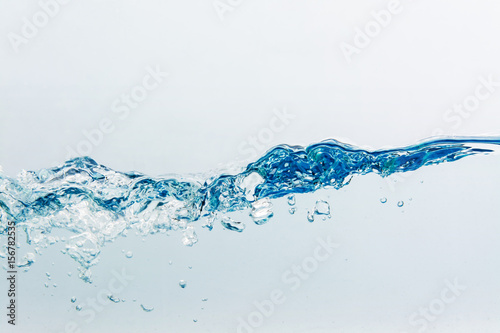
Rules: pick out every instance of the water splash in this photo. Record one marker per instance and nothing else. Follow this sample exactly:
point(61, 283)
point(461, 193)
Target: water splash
point(83, 205)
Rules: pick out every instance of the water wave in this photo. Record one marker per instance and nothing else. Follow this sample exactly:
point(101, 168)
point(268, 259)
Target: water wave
point(90, 204)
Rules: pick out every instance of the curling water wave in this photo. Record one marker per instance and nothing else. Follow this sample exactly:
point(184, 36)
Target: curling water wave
point(83, 204)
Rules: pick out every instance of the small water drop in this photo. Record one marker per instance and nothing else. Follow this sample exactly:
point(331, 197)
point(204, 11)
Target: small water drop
point(73, 299)
point(78, 308)
point(401, 203)
point(55, 285)
point(204, 299)
point(291, 200)
point(129, 254)
point(190, 267)
point(46, 285)
point(113, 299)
point(292, 210)
point(195, 320)
point(310, 217)
point(322, 208)
point(182, 283)
point(170, 262)
point(383, 200)
point(231, 224)
point(147, 309)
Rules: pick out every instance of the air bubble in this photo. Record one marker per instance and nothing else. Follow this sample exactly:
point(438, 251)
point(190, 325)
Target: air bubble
point(147, 309)
point(322, 208)
point(189, 237)
point(310, 217)
point(231, 224)
point(261, 211)
point(113, 299)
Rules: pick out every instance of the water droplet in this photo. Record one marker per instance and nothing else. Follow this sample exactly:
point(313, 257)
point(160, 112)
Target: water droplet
point(55, 285)
point(291, 200)
point(182, 283)
point(129, 254)
point(113, 299)
point(78, 308)
point(231, 224)
point(195, 320)
point(292, 210)
point(383, 200)
point(322, 208)
point(204, 299)
point(48, 274)
point(46, 285)
point(69, 273)
point(190, 267)
point(310, 217)
point(401, 203)
point(73, 299)
point(170, 262)
point(147, 309)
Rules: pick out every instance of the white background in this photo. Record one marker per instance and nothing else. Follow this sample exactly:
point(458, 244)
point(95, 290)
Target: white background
point(226, 76)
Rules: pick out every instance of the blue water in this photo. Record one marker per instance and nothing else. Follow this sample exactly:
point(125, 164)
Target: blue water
point(90, 204)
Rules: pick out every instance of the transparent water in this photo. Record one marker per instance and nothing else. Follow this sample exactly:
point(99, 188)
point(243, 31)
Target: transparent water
point(318, 239)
